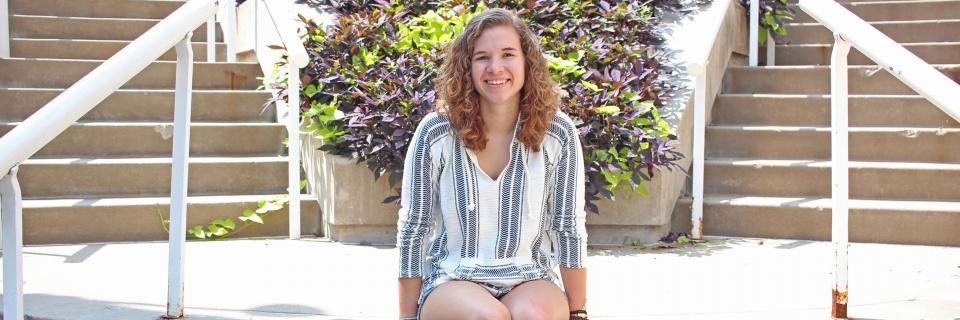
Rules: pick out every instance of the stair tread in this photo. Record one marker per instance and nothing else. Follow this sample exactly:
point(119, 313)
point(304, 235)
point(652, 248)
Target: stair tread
point(826, 67)
point(934, 21)
point(155, 160)
point(82, 18)
point(905, 44)
point(819, 96)
point(126, 90)
point(152, 62)
point(157, 123)
point(825, 163)
point(825, 203)
point(137, 201)
point(97, 40)
point(828, 129)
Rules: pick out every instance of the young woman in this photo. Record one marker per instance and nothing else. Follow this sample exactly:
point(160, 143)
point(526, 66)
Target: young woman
point(493, 186)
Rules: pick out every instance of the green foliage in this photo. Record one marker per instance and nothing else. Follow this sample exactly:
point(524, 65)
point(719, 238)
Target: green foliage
point(376, 67)
point(218, 229)
point(773, 16)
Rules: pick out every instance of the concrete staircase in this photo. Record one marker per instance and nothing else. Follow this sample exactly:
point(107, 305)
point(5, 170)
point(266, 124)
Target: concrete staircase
point(768, 142)
point(105, 177)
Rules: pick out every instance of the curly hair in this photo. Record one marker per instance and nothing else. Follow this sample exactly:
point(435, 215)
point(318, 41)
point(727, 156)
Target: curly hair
point(459, 100)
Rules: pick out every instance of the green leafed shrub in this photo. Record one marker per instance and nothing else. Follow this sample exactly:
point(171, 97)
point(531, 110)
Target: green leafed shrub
point(376, 65)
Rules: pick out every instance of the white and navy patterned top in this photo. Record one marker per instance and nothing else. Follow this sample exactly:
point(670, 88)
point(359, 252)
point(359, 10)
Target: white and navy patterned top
point(457, 223)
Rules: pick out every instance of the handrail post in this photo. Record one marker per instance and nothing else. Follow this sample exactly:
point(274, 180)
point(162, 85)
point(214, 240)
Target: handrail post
point(178, 181)
point(230, 29)
point(699, 129)
point(293, 147)
point(4, 29)
point(211, 40)
point(11, 216)
point(771, 50)
point(839, 172)
point(754, 31)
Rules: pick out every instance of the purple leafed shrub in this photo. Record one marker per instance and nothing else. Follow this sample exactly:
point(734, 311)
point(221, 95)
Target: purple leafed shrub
point(377, 64)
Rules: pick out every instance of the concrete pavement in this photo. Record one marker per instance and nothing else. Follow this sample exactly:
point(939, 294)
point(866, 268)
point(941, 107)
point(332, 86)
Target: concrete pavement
point(726, 278)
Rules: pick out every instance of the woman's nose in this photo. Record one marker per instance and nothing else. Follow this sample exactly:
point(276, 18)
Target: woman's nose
point(494, 65)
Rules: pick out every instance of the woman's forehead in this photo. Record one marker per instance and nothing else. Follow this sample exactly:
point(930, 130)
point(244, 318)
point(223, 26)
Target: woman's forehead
point(497, 38)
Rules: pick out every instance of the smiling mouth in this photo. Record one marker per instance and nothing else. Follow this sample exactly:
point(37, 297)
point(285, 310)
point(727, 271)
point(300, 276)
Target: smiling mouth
point(496, 82)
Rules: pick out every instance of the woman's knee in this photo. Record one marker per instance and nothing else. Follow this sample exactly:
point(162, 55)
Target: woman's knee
point(495, 311)
point(533, 311)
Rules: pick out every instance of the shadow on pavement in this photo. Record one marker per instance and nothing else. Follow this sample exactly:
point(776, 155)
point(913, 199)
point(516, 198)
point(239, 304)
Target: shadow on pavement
point(703, 249)
point(55, 307)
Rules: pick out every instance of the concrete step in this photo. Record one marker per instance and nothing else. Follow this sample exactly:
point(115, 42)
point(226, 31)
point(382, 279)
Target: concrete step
point(152, 9)
point(868, 180)
point(895, 10)
point(147, 105)
point(94, 49)
point(52, 27)
point(35, 73)
point(149, 177)
point(814, 110)
point(809, 218)
point(944, 30)
point(865, 143)
point(100, 139)
point(816, 80)
point(86, 220)
point(819, 54)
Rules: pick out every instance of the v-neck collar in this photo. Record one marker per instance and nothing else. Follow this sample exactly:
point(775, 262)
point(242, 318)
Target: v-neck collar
point(510, 155)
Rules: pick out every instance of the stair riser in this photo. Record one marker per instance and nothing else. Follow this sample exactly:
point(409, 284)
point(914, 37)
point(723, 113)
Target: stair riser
point(141, 140)
point(863, 146)
point(944, 31)
point(865, 183)
point(37, 27)
point(158, 75)
point(92, 50)
point(95, 8)
point(141, 222)
point(895, 11)
point(239, 106)
point(820, 55)
point(146, 180)
point(883, 226)
point(802, 111)
point(861, 80)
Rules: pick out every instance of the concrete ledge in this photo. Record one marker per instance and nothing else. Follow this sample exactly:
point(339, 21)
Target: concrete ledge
point(354, 212)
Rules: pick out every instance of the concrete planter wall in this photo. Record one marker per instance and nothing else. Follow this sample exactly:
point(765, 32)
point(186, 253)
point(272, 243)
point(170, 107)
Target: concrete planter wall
point(351, 202)
point(353, 212)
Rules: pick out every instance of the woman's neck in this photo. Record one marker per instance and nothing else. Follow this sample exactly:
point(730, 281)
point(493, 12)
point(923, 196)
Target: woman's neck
point(500, 119)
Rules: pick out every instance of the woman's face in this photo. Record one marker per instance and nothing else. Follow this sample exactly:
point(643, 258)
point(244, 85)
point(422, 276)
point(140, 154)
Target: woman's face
point(498, 66)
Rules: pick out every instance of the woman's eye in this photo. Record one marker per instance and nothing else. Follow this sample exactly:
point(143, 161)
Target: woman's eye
point(480, 58)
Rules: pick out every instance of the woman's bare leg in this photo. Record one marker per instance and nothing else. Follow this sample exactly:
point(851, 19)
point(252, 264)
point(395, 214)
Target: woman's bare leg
point(462, 300)
point(537, 300)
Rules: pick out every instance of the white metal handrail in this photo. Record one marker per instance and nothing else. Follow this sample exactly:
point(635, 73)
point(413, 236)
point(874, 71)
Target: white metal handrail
point(755, 37)
point(282, 16)
point(227, 15)
point(56, 116)
point(699, 57)
point(850, 30)
point(4, 29)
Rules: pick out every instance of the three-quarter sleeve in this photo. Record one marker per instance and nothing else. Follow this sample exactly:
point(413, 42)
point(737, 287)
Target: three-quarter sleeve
point(416, 201)
point(569, 220)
